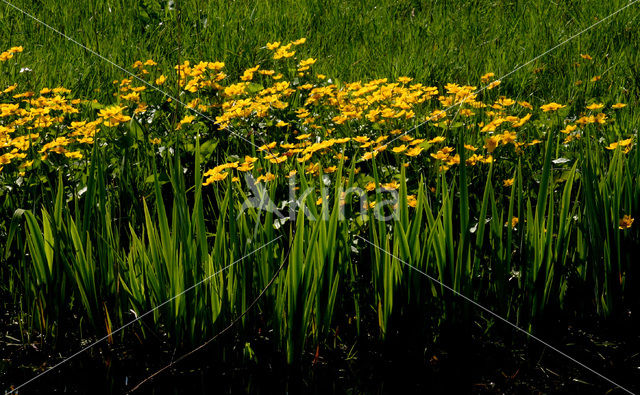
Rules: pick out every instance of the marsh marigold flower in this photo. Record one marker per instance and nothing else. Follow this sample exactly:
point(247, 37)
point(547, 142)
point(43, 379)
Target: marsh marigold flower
point(551, 107)
point(491, 143)
point(112, 116)
point(399, 149)
point(486, 77)
point(412, 201)
point(625, 222)
point(415, 151)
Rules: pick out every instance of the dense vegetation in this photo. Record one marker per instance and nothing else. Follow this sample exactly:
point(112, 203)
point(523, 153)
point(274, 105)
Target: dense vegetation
point(243, 171)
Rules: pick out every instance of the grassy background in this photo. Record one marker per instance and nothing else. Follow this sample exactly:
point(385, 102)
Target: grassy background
point(435, 42)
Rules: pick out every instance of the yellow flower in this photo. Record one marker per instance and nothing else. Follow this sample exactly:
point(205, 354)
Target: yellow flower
point(250, 159)
point(440, 155)
point(551, 107)
point(508, 182)
point(307, 62)
point(273, 45)
point(304, 158)
point(525, 105)
point(493, 84)
point(266, 147)
point(283, 53)
point(113, 115)
point(586, 120)
point(447, 150)
point(330, 169)
point(507, 137)
point(266, 178)
point(618, 105)
point(245, 167)
point(299, 41)
point(4, 56)
point(486, 77)
point(142, 107)
point(380, 148)
point(415, 151)
point(488, 159)
point(436, 140)
point(405, 137)
point(74, 155)
point(393, 185)
point(279, 159)
point(399, 149)
point(215, 177)
point(370, 186)
point(133, 96)
point(504, 101)
point(412, 201)
point(624, 143)
point(361, 139)
point(369, 155)
point(313, 168)
point(404, 80)
point(10, 89)
point(467, 113)
point(514, 222)
point(453, 160)
point(625, 222)
point(596, 78)
point(586, 56)
point(595, 106)
point(186, 119)
point(491, 143)
point(160, 80)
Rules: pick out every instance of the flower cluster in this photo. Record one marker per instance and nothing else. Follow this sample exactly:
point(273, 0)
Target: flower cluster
point(305, 121)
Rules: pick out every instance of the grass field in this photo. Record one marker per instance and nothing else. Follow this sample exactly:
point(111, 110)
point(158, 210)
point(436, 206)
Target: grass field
point(318, 192)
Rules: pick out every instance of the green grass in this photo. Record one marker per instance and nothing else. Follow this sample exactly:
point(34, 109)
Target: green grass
point(435, 42)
